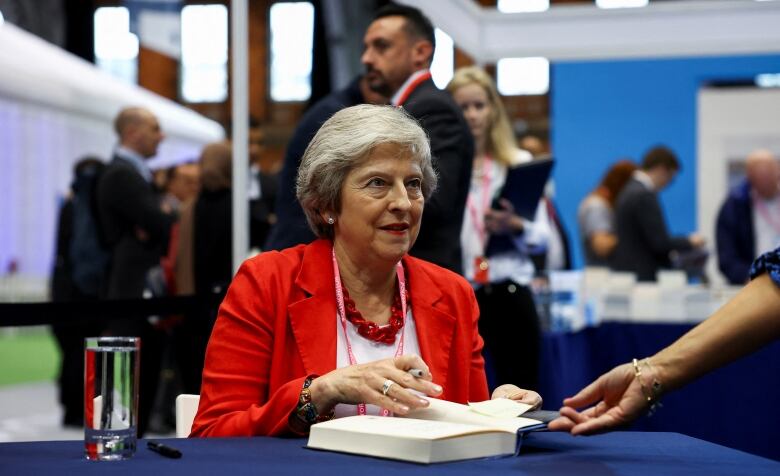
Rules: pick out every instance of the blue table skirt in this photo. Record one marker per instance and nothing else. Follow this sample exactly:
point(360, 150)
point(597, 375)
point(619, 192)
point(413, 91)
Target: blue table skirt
point(736, 406)
point(548, 454)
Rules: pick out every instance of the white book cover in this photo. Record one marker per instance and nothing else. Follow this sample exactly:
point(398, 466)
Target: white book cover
point(444, 431)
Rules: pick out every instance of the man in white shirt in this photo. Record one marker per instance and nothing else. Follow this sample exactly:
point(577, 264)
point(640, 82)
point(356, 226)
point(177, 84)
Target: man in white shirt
point(749, 220)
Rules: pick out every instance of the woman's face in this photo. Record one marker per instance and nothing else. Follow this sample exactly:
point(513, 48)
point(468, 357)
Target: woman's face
point(381, 205)
point(473, 101)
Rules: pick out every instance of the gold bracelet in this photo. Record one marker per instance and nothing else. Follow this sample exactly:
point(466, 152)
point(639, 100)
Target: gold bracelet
point(652, 394)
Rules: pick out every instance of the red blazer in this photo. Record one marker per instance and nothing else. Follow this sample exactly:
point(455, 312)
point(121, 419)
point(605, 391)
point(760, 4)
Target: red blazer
point(277, 325)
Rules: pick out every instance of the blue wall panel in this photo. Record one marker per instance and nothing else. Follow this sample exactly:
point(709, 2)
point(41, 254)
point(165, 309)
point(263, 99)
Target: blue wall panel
point(602, 111)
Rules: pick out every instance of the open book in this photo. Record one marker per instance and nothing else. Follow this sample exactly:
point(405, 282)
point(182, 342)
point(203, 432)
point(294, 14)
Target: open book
point(444, 431)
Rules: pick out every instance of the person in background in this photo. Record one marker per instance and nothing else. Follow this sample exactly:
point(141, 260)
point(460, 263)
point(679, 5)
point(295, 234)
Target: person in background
point(534, 145)
point(644, 244)
point(136, 229)
point(182, 184)
point(263, 187)
point(596, 214)
point(557, 255)
point(78, 275)
point(332, 328)
point(206, 243)
point(399, 45)
point(749, 220)
point(291, 228)
point(160, 180)
point(501, 274)
point(212, 220)
point(181, 188)
point(746, 323)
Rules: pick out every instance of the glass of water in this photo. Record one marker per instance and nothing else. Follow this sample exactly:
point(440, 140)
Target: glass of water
point(111, 367)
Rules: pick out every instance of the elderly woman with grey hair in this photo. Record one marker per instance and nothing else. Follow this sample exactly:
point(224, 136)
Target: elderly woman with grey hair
point(348, 324)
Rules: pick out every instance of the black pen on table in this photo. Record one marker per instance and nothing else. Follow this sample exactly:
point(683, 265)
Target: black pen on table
point(164, 450)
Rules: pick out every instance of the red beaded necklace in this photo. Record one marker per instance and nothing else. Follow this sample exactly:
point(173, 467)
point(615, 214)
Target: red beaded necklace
point(371, 330)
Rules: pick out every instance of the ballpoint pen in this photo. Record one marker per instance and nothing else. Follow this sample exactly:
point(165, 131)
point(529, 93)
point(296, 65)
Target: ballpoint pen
point(416, 372)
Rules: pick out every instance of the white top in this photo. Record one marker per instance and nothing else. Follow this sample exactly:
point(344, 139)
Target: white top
point(254, 192)
point(366, 351)
point(767, 231)
point(594, 215)
point(515, 265)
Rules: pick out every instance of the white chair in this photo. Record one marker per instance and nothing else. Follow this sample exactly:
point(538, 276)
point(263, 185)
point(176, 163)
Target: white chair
point(186, 408)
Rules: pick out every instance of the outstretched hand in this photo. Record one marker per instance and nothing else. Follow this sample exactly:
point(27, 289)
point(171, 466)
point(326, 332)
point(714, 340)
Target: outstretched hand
point(618, 400)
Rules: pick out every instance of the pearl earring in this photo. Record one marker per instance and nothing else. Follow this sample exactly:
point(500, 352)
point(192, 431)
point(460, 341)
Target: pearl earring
point(331, 221)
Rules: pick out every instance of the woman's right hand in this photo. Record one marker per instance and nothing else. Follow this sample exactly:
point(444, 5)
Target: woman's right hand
point(617, 400)
point(363, 383)
point(503, 221)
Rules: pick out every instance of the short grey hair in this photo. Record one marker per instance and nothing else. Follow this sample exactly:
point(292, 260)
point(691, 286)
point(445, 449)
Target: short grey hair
point(343, 142)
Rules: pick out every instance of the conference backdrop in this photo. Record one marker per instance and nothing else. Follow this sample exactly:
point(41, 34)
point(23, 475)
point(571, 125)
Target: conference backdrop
point(602, 111)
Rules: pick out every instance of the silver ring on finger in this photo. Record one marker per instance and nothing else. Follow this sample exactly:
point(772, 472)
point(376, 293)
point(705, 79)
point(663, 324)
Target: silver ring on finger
point(386, 386)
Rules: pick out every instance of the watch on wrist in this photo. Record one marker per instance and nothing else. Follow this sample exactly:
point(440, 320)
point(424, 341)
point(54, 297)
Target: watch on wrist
point(306, 409)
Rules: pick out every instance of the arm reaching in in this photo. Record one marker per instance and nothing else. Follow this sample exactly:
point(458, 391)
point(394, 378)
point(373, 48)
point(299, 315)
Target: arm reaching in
point(618, 400)
point(744, 324)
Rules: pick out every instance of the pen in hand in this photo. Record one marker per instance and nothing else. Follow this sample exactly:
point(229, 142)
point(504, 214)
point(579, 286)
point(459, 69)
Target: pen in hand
point(164, 450)
point(416, 372)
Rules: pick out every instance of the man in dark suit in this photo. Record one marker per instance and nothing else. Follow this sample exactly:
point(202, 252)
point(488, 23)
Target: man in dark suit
point(644, 243)
point(136, 229)
point(399, 45)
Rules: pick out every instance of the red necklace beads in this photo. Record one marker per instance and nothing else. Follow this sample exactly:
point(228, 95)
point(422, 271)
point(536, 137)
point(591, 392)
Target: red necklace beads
point(371, 330)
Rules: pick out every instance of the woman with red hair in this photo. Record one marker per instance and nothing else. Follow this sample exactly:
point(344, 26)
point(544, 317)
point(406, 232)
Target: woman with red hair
point(596, 214)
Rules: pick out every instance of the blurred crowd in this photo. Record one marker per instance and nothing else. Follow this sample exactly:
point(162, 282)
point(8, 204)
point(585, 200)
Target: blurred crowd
point(128, 232)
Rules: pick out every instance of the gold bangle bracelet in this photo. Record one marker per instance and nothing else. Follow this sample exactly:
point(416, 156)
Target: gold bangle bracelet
point(651, 394)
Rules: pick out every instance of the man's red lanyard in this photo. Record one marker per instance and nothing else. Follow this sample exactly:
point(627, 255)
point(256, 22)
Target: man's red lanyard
point(411, 87)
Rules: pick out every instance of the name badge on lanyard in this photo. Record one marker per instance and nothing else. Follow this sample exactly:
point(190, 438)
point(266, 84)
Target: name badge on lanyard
point(477, 211)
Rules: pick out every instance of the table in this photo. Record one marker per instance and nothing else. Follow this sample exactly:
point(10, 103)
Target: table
point(736, 406)
point(548, 454)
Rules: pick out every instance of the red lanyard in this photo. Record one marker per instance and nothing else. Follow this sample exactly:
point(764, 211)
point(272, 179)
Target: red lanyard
point(399, 272)
point(478, 215)
point(764, 212)
point(411, 87)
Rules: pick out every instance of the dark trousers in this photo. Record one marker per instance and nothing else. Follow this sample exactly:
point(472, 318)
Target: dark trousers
point(510, 327)
point(70, 381)
point(190, 341)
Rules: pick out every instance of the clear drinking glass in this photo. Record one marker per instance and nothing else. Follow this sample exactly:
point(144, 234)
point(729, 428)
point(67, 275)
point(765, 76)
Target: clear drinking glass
point(111, 372)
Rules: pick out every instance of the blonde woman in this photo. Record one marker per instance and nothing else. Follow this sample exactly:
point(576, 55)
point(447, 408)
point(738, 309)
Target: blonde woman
point(500, 272)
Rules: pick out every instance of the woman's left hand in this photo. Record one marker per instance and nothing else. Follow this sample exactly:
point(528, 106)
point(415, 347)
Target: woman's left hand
point(504, 221)
point(516, 393)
